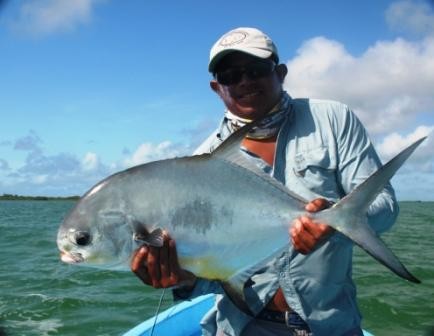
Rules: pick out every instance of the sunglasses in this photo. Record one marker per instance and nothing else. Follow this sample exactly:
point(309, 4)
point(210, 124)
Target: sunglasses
point(253, 71)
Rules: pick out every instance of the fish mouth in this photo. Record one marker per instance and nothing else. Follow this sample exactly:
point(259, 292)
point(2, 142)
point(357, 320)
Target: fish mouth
point(71, 258)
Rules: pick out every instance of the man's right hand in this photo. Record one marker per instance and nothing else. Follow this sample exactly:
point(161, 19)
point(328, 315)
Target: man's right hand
point(159, 267)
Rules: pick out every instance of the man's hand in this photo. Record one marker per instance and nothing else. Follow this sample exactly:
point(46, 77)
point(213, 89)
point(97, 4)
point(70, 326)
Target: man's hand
point(159, 267)
point(305, 233)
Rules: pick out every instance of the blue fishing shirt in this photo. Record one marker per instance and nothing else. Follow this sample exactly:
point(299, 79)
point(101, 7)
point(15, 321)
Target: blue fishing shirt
point(322, 150)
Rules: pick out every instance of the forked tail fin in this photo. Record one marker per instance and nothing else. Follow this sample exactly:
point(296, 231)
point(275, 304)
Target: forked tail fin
point(348, 216)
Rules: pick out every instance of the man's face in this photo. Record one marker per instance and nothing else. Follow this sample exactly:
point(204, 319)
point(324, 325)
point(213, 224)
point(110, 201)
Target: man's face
point(247, 97)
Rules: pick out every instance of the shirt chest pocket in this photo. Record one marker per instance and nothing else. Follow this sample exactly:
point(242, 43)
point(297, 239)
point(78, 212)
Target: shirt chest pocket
point(317, 169)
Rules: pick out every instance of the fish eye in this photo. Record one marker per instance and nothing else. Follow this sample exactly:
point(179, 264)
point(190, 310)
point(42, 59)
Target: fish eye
point(82, 238)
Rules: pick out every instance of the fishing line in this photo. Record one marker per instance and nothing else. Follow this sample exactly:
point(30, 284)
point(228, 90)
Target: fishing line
point(158, 311)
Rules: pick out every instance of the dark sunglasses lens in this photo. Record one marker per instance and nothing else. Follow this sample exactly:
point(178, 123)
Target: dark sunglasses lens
point(252, 71)
point(229, 76)
point(259, 70)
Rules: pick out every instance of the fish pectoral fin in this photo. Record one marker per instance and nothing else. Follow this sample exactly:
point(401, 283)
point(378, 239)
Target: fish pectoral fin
point(154, 238)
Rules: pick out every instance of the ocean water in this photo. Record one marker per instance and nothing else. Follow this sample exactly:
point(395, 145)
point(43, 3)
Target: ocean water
point(39, 295)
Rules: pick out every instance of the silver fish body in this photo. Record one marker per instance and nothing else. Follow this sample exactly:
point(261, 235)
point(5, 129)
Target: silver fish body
point(226, 215)
point(213, 209)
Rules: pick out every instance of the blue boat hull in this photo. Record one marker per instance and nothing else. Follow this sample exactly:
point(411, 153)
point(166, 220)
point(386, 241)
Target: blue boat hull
point(181, 319)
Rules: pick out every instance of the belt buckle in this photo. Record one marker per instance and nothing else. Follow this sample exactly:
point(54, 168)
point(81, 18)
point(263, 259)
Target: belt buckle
point(294, 330)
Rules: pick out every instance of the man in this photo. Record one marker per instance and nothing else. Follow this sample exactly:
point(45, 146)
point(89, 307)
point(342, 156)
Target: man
point(320, 151)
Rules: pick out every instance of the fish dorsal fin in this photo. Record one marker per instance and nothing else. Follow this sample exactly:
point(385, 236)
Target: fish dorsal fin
point(230, 151)
point(232, 144)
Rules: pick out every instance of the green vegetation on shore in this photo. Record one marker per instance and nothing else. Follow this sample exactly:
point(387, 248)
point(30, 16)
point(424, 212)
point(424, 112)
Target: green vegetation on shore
point(10, 197)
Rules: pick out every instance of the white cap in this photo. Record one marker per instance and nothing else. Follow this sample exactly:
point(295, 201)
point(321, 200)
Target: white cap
point(247, 40)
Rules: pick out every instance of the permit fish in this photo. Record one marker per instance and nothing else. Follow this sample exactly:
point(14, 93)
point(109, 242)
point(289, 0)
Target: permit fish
point(226, 215)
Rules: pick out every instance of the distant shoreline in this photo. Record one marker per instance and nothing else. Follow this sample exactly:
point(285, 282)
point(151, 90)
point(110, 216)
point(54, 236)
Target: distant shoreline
point(10, 197)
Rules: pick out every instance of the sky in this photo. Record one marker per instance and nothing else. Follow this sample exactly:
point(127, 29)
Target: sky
point(92, 87)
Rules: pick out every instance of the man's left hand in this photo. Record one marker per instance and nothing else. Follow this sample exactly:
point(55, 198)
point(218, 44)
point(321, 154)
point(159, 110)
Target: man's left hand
point(305, 233)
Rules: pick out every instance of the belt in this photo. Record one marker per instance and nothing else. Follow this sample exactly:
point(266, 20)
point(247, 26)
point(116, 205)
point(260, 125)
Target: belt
point(290, 318)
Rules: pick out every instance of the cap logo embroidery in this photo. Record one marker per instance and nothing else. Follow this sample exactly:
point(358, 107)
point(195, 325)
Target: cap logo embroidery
point(233, 38)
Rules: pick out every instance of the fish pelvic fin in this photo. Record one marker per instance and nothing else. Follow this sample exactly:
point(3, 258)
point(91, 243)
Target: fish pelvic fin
point(348, 216)
point(236, 295)
point(234, 286)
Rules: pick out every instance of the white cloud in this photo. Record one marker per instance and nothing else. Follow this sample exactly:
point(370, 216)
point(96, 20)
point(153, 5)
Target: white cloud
point(41, 173)
point(411, 16)
point(43, 17)
point(40, 179)
point(389, 86)
point(30, 142)
point(148, 152)
point(90, 162)
point(391, 79)
point(424, 154)
point(415, 179)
